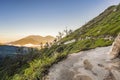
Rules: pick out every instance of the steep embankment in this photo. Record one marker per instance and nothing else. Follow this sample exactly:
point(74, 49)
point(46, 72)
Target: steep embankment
point(104, 26)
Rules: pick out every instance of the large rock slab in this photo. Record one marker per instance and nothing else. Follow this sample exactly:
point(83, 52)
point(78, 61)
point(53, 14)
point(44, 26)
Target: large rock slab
point(115, 50)
point(86, 65)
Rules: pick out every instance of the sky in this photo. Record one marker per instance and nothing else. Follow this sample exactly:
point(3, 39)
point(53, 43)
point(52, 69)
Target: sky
point(20, 18)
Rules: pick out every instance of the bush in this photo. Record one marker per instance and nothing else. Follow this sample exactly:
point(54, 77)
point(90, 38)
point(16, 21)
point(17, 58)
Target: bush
point(60, 49)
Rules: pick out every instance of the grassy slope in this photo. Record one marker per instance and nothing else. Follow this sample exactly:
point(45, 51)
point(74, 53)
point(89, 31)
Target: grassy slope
point(107, 23)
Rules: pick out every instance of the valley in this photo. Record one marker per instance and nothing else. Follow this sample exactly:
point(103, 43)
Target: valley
point(6, 50)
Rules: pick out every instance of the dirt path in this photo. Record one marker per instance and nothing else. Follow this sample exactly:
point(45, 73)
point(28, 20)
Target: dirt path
point(87, 65)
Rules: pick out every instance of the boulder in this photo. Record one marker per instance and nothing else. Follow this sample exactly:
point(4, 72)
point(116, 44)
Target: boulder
point(82, 77)
point(115, 50)
point(87, 64)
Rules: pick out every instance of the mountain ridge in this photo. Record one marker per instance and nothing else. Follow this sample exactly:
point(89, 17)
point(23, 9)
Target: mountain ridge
point(33, 39)
point(105, 25)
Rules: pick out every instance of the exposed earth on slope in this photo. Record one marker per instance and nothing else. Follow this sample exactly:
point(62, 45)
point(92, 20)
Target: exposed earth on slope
point(115, 50)
point(86, 65)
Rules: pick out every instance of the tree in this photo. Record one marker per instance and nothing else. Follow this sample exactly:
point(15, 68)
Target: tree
point(46, 45)
point(60, 34)
point(70, 31)
point(41, 45)
point(50, 44)
point(66, 31)
point(55, 40)
point(58, 38)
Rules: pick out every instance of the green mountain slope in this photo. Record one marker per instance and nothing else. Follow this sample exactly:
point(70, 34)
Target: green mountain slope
point(107, 24)
point(99, 32)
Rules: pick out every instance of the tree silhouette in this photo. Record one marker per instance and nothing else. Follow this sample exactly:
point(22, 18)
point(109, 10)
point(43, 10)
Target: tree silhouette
point(46, 45)
point(66, 31)
point(41, 45)
point(60, 35)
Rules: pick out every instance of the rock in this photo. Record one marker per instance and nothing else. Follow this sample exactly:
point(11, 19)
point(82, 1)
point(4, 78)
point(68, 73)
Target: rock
point(115, 51)
point(82, 77)
point(110, 76)
point(87, 65)
point(100, 65)
point(115, 65)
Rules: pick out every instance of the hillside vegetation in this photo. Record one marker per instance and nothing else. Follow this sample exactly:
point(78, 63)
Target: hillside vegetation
point(106, 25)
point(98, 32)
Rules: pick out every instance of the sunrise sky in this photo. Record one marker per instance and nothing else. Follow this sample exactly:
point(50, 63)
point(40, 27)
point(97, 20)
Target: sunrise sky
point(20, 18)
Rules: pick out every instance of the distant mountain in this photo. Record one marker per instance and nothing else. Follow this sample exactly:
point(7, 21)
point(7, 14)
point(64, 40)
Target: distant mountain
point(33, 39)
point(0, 43)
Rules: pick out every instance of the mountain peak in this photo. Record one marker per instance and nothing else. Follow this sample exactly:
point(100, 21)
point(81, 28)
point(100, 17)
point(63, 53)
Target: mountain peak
point(33, 39)
point(49, 36)
point(32, 36)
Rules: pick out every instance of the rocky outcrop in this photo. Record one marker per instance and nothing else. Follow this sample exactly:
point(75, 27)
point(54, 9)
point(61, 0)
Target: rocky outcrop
point(86, 65)
point(115, 50)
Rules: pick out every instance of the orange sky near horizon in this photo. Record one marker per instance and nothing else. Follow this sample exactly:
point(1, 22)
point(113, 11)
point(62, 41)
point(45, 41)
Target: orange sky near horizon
point(6, 39)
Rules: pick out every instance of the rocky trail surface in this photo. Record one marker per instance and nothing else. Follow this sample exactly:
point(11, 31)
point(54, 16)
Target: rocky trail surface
point(86, 65)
